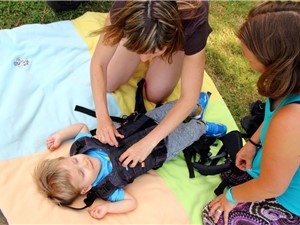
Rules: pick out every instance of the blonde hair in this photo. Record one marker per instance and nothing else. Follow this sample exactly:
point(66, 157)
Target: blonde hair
point(271, 33)
point(151, 25)
point(55, 182)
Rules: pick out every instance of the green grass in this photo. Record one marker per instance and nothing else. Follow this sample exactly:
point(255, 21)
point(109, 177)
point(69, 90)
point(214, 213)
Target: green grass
point(16, 13)
point(224, 62)
point(231, 73)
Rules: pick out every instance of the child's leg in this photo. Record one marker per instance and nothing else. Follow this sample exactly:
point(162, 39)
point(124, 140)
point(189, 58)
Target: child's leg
point(160, 112)
point(183, 136)
point(264, 213)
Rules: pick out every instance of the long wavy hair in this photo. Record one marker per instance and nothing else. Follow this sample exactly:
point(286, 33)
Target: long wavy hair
point(150, 25)
point(271, 33)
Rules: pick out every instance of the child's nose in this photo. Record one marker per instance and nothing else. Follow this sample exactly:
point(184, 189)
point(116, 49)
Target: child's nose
point(87, 163)
point(82, 163)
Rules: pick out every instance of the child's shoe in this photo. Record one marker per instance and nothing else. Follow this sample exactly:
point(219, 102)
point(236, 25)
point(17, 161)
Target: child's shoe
point(203, 102)
point(215, 130)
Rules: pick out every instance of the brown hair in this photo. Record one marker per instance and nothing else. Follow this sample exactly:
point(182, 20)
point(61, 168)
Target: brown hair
point(54, 181)
point(271, 33)
point(151, 25)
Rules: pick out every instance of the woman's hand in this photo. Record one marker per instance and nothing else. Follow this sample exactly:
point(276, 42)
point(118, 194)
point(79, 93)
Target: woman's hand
point(137, 153)
point(218, 206)
point(245, 157)
point(107, 132)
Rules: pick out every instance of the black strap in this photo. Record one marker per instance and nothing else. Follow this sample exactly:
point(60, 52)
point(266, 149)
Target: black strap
point(189, 164)
point(231, 144)
point(221, 187)
point(89, 200)
point(139, 98)
point(70, 207)
point(105, 188)
point(221, 153)
point(93, 114)
point(138, 108)
point(211, 170)
point(201, 147)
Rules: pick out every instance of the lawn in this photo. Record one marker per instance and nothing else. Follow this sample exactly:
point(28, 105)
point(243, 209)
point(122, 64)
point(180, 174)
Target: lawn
point(234, 78)
point(224, 62)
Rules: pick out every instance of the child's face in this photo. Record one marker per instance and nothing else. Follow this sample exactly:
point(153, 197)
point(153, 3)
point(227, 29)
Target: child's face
point(83, 170)
point(253, 61)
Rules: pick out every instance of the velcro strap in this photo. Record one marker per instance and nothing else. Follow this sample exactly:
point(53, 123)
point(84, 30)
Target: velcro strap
point(105, 190)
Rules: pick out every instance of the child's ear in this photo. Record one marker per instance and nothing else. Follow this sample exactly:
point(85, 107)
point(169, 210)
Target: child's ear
point(86, 189)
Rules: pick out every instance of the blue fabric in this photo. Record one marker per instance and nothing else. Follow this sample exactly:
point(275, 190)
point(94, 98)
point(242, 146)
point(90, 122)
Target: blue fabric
point(106, 168)
point(44, 73)
point(287, 199)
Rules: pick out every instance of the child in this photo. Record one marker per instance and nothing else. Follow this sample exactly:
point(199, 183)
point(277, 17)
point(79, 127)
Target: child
point(270, 42)
point(63, 179)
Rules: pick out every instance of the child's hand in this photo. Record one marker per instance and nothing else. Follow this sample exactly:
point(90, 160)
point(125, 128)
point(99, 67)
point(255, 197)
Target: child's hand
point(99, 211)
point(54, 142)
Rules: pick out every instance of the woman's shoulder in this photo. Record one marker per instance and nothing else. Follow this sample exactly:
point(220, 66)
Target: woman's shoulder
point(118, 5)
point(196, 29)
point(286, 118)
point(194, 14)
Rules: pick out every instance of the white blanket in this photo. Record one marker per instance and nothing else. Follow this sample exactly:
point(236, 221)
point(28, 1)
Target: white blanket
point(44, 73)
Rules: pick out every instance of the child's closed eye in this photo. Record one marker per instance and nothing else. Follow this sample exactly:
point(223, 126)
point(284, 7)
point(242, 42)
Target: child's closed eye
point(81, 173)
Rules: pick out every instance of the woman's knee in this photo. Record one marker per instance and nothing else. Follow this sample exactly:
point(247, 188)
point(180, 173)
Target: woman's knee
point(156, 94)
point(162, 78)
point(154, 98)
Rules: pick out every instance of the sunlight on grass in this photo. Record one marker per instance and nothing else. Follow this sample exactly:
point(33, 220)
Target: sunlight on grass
point(16, 13)
point(225, 63)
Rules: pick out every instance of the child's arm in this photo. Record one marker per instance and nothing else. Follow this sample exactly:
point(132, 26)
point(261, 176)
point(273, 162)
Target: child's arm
point(128, 204)
point(54, 141)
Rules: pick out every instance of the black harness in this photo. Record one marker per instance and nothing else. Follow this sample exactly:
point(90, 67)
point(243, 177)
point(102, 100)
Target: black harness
point(198, 156)
point(207, 164)
point(134, 130)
